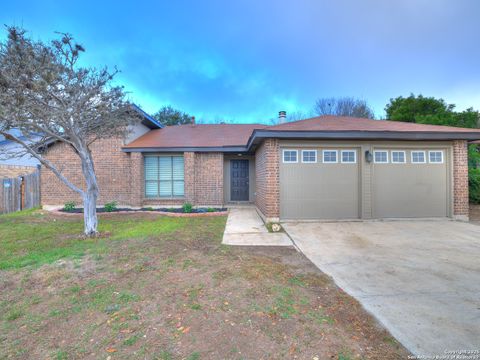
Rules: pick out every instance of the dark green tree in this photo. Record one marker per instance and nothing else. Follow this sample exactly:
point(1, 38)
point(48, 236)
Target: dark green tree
point(169, 116)
point(429, 110)
point(468, 118)
point(409, 108)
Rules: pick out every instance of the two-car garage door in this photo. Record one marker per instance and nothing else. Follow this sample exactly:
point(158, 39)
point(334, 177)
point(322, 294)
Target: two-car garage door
point(340, 183)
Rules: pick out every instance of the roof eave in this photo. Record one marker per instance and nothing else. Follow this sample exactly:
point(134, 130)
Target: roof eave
point(225, 149)
point(258, 135)
point(148, 120)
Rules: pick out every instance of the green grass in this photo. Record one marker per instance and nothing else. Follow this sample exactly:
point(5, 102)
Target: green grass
point(61, 355)
point(319, 317)
point(194, 356)
point(297, 280)
point(284, 304)
point(131, 340)
point(14, 314)
point(163, 355)
point(344, 356)
point(33, 238)
point(158, 273)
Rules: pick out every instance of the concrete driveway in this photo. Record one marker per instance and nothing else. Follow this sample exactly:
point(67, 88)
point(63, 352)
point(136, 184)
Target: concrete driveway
point(420, 279)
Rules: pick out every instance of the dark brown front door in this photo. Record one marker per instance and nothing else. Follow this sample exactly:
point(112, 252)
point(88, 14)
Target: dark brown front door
point(239, 180)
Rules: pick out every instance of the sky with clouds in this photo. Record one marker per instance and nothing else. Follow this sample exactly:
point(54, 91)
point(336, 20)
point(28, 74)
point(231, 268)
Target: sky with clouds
point(245, 60)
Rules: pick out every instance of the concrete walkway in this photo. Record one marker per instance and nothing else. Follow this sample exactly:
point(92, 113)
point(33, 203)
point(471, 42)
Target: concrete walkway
point(420, 279)
point(245, 227)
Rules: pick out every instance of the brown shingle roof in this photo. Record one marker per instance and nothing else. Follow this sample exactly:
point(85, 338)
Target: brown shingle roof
point(342, 123)
point(231, 135)
point(199, 135)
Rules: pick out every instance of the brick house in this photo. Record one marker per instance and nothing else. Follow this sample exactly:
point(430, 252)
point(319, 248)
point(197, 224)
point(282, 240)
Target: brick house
point(320, 168)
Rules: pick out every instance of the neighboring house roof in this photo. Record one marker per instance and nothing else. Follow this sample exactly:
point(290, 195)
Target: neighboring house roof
point(9, 147)
point(244, 137)
point(7, 171)
point(147, 120)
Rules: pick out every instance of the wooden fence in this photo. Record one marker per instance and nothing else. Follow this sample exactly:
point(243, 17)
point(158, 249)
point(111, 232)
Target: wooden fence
point(20, 193)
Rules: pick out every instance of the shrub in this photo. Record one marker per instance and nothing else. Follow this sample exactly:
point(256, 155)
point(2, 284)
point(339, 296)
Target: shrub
point(69, 206)
point(474, 185)
point(111, 206)
point(210, 209)
point(187, 208)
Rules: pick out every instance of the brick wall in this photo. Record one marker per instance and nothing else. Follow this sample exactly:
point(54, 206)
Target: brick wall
point(460, 179)
point(189, 176)
point(112, 166)
point(267, 170)
point(137, 183)
point(121, 176)
point(208, 178)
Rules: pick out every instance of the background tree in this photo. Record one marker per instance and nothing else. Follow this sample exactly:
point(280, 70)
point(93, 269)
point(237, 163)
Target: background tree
point(409, 108)
point(44, 91)
point(343, 106)
point(429, 110)
point(169, 116)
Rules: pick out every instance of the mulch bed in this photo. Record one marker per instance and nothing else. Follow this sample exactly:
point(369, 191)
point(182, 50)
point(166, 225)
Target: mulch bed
point(178, 212)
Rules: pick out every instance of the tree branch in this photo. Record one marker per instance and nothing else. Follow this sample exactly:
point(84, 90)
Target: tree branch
point(43, 161)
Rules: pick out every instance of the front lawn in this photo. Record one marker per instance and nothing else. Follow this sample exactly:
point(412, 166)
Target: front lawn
point(154, 287)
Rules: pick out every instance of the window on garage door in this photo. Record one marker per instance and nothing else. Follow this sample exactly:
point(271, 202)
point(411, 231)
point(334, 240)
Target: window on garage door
point(380, 156)
point(290, 156)
point(309, 156)
point(330, 156)
point(435, 157)
point(418, 157)
point(398, 157)
point(349, 156)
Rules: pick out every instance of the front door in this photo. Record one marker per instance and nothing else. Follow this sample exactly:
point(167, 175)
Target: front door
point(239, 180)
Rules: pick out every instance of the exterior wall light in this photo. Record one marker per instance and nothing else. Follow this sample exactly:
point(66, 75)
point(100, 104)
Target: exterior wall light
point(368, 156)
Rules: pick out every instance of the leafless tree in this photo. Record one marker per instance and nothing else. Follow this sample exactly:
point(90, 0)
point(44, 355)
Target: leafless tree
point(216, 120)
point(343, 106)
point(43, 91)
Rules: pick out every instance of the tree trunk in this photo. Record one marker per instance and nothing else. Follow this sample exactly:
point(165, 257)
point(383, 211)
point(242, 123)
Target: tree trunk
point(90, 213)
point(91, 193)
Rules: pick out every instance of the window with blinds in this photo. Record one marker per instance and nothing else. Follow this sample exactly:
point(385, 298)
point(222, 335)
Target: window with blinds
point(164, 176)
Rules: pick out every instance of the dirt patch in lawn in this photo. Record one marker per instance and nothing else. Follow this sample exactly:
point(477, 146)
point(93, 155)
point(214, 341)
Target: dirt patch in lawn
point(182, 295)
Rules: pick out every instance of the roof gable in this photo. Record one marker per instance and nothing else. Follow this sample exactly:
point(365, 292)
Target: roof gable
point(147, 120)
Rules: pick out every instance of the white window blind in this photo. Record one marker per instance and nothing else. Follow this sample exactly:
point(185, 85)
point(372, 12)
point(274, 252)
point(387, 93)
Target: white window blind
point(164, 176)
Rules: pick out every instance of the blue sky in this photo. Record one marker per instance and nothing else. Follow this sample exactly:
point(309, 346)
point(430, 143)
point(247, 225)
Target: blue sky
point(245, 60)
